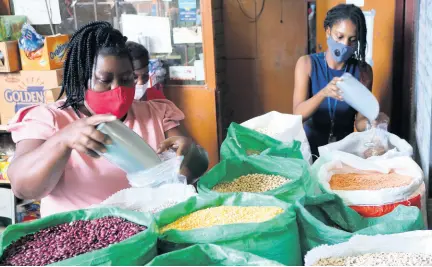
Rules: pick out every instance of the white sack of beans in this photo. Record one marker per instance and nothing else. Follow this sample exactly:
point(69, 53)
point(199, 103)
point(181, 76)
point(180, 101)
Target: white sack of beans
point(149, 199)
point(344, 163)
point(410, 248)
point(282, 127)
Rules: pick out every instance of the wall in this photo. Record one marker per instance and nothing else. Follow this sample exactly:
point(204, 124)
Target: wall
point(261, 56)
point(423, 85)
point(382, 44)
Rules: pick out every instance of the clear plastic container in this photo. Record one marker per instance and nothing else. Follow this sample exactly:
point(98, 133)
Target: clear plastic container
point(378, 142)
point(358, 96)
point(128, 150)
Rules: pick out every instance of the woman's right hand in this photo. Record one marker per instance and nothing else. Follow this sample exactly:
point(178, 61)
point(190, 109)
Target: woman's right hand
point(82, 135)
point(331, 90)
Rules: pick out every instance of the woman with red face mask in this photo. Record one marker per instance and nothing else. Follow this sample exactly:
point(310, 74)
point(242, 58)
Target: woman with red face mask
point(56, 144)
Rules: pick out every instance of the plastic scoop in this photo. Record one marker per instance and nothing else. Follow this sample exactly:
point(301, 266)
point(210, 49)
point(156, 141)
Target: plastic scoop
point(128, 150)
point(358, 96)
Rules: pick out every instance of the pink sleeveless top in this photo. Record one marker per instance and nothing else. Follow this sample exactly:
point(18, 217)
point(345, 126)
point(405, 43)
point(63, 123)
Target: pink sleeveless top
point(87, 181)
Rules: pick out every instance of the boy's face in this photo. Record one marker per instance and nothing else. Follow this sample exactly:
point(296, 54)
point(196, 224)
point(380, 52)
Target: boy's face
point(141, 71)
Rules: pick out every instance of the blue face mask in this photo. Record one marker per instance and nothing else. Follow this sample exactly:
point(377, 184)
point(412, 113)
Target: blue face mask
point(340, 52)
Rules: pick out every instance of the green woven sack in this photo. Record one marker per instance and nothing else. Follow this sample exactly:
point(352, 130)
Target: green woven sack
point(136, 250)
point(325, 219)
point(276, 239)
point(210, 255)
point(242, 142)
point(295, 169)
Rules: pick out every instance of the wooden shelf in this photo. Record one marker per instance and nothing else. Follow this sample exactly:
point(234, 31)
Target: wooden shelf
point(3, 128)
point(4, 182)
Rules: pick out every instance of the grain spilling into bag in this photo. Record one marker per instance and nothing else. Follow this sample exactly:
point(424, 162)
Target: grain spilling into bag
point(253, 183)
point(379, 259)
point(375, 181)
point(374, 152)
point(68, 240)
point(223, 215)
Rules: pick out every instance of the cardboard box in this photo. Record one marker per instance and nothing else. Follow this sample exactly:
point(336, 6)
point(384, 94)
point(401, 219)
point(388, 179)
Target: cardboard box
point(10, 27)
point(9, 57)
point(25, 88)
point(50, 57)
point(51, 95)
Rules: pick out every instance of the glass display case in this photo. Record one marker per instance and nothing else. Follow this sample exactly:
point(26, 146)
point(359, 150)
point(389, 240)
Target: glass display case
point(182, 34)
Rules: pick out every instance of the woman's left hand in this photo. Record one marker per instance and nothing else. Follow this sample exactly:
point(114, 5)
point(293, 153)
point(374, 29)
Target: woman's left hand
point(181, 144)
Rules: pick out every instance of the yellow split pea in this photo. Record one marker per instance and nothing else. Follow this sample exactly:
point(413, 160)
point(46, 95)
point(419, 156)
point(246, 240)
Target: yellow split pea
point(223, 215)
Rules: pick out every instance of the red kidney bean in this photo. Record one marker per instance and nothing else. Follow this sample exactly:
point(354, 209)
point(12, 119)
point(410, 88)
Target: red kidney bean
point(68, 240)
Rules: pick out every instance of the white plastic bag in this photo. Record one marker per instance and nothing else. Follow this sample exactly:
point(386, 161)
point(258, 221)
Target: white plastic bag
point(149, 199)
point(168, 172)
point(282, 127)
point(378, 202)
point(356, 144)
point(409, 242)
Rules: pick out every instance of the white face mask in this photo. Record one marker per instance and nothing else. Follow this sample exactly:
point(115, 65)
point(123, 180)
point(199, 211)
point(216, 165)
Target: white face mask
point(140, 90)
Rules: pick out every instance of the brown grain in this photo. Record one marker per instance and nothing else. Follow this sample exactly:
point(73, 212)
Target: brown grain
point(371, 181)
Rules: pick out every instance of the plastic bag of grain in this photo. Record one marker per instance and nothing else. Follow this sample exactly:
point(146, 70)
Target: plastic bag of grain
point(285, 178)
point(373, 188)
point(282, 127)
point(358, 144)
point(149, 199)
point(210, 255)
point(404, 249)
point(239, 221)
point(242, 142)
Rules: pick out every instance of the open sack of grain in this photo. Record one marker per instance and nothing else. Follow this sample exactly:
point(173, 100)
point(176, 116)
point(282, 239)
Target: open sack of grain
point(404, 249)
point(253, 223)
point(282, 127)
point(370, 145)
point(91, 237)
point(149, 199)
point(372, 188)
point(285, 178)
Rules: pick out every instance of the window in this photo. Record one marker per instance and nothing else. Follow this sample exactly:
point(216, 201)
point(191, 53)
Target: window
point(184, 59)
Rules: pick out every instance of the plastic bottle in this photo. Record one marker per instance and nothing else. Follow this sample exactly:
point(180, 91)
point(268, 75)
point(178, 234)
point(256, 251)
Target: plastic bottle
point(358, 96)
point(128, 150)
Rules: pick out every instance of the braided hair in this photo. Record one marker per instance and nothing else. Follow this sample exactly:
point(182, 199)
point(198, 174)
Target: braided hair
point(91, 40)
point(355, 14)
